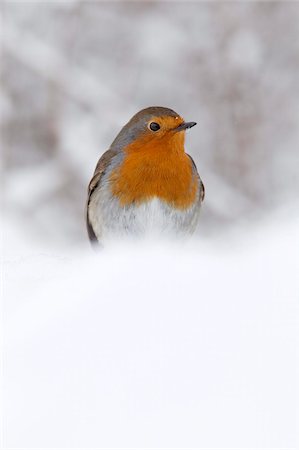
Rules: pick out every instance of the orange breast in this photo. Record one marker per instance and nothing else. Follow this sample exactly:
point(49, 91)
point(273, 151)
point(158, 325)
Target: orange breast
point(161, 170)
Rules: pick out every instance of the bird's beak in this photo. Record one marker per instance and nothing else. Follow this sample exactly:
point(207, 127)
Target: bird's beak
point(185, 125)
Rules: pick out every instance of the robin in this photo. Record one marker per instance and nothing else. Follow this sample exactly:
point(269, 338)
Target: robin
point(145, 183)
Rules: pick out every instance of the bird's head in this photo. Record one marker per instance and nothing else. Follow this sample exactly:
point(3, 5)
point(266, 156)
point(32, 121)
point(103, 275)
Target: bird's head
point(153, 128)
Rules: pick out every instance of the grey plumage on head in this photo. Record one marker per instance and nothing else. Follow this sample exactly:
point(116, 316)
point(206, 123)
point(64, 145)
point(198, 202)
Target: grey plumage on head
point(138, 124)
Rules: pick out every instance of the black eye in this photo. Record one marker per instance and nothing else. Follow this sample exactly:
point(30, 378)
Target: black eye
point(154, 126)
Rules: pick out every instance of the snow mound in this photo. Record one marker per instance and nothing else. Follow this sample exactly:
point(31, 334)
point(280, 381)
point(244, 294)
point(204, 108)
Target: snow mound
point(154, 346)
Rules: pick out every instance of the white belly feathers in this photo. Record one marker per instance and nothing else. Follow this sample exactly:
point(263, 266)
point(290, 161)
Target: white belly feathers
point(152, 218)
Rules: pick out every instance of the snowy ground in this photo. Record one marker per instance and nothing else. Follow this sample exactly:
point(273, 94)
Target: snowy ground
point(152, 346)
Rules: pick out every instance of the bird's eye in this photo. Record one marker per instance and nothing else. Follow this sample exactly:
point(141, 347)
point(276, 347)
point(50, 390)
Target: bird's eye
point(154, 126)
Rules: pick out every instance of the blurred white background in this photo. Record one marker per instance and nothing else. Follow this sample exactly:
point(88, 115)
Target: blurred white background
point(72, 73)
point(192, 346)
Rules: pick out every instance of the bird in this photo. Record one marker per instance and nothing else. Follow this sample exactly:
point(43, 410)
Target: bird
point(145, 184)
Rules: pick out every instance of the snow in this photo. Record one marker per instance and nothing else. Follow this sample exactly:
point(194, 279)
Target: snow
point(153, 345)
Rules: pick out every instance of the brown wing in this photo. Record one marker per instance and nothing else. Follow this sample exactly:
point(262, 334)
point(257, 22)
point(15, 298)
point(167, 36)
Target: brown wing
point(101, 166)
point(202, 190)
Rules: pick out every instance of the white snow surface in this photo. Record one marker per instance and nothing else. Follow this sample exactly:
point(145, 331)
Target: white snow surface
point(153, 345)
